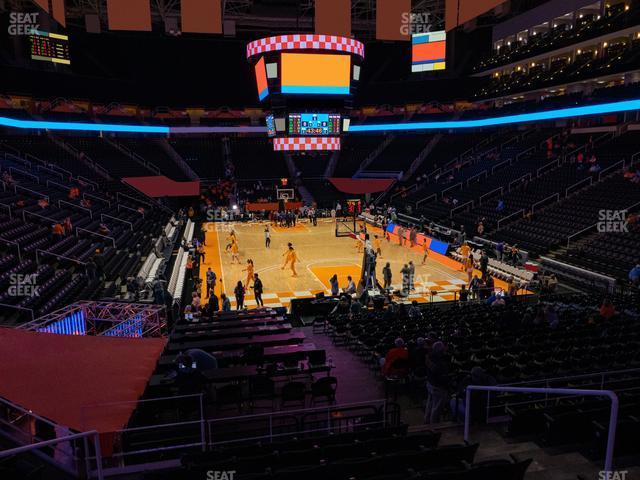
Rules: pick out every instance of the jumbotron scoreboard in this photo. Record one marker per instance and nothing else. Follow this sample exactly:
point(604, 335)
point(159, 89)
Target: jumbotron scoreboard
point(308, 81)
point(314, 124)
point(49, 47)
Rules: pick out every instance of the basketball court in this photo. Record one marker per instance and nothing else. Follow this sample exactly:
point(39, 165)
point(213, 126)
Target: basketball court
point(320, 255)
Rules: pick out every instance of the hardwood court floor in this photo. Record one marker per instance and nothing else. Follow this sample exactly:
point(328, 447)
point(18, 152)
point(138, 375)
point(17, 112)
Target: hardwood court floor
point(320, 255)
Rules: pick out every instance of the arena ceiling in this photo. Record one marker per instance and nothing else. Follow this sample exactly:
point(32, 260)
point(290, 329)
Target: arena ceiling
point(249, 17)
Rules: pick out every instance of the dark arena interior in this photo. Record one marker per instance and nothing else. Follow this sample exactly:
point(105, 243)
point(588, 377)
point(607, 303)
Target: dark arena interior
point(330, 239)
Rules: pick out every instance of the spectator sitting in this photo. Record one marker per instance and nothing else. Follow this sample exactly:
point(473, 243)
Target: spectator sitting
point(414, 311)
point(498, 302)
point(417, 357)
point(396, 359)
point(351, 286)
point(437, 382)
point(463, 294)
point(356, 307)
point(104, 230)
point(226, 303)
point(57, 229)
point(607, 310)
point(202, 360)
point(458, 404)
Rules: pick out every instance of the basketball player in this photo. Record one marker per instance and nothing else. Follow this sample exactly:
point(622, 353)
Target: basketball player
point(377, 245)
point(290, 258)
point(267, 237)
point(230, 239)
point(249, 271)
point(425, 251)
point(234, 252)
point(465, 250)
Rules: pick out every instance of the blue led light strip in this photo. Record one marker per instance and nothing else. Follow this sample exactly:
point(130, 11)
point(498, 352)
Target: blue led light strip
point(613, 107)
point(85, 127)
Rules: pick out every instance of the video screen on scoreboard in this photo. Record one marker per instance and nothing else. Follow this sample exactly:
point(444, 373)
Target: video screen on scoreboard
point(261, 79)
point(428, 51)
point(310, 124)
point(271, 127)
point(315, 74)
point(49, 47)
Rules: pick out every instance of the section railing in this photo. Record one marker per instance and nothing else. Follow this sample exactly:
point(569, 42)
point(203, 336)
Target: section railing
point(613, 416)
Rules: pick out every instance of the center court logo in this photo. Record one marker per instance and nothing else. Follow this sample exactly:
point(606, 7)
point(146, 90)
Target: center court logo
point(612, 221)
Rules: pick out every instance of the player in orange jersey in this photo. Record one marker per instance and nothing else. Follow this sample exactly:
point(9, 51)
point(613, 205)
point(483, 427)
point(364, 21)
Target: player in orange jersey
point(249, 271)
point(291, 257)
point(234, 252)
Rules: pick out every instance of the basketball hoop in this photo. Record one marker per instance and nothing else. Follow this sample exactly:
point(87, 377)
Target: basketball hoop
point(285, 194)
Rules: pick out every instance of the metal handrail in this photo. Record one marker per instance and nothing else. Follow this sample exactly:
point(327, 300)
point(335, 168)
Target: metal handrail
point(459, 184)
point(621, 163)
point(50, 170)
point(551, 163)
point(60, 202)
point(15, 244)
point(509, 216)
point(432, 196)
point(100, 199)
point(49, 219)
point(102, 215)
point(504, 162)
point(138, 200)
point(57, 255)
point(519, 179)
point(16, 187)
point(19, 170)
point(48, 182)
point(129, 208)
point(16, 307)
point(459, 207)
point(613, 417)
point(8, 207)
point(588, 180)
point(484, 172)
point(580, 233)
point(113, 241)
point(499, 189)
point(524, 152)
point(86, 180)
point(533, 207)
point(84, 435)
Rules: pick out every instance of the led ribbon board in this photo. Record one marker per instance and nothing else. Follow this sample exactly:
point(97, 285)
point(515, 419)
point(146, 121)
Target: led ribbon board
point(428, 51)
point(603, 108)
point(79, 126)
point(315, 74)
point(614, 107)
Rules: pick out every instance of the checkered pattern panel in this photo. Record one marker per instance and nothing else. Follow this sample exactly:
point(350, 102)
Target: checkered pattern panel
point(304, 143)
point(305, 42)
